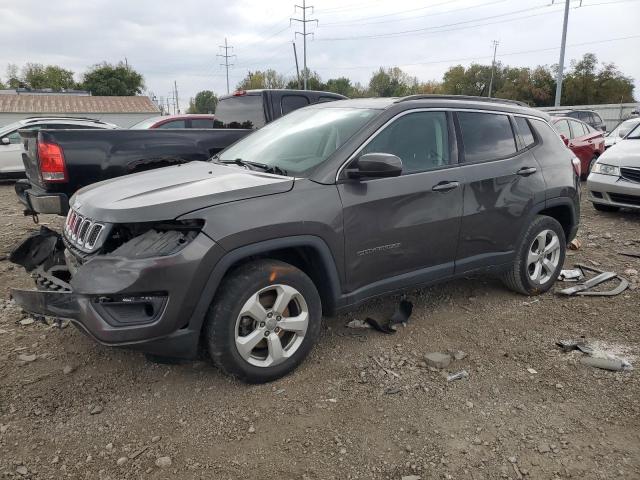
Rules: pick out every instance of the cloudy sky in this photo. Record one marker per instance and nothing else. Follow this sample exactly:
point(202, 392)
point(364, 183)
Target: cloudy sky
point(168, 40)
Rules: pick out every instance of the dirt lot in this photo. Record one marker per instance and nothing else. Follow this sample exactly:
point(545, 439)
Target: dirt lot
point(362, 406)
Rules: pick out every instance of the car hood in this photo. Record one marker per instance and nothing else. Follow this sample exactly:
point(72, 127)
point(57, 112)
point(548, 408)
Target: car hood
point(625, 153)
point(166, 193)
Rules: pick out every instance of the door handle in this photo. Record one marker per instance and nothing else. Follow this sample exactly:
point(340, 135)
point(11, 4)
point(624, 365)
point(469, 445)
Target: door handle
point(445, 186)
point(526, 171)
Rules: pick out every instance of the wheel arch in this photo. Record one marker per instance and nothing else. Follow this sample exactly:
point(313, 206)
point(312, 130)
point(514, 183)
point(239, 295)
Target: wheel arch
point(564, 212)
point(307, 252)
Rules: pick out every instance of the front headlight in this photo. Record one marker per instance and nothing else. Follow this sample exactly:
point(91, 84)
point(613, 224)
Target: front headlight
point(605, 169)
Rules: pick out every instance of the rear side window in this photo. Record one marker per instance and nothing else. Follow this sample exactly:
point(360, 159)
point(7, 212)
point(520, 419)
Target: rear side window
point(201, 123)
point(577, 129)
point(420, 140)
point(326, 99)
point(546, 133)
point(525, 131)
point(242, 111)
point(289, 103)
point(174, 124)
point(597, 118)
point(486, 136)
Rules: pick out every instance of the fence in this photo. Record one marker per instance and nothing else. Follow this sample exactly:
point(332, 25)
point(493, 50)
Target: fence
point(611, 114)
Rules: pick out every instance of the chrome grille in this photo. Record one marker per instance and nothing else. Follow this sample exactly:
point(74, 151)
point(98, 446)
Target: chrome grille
point(82, 232)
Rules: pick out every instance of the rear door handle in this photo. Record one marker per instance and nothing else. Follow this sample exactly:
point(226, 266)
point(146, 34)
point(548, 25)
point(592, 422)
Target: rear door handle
point(526, 171)
point(445, 186)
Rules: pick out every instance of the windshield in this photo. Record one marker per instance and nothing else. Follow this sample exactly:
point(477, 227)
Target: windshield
point(145, 124)
point(625, 127)
point(301, 140)
point(635, 132)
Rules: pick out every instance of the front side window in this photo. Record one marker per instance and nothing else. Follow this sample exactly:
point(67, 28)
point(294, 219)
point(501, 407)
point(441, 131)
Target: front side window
point(419, 139)
point(486, 136)
point(525, 131)
point(202, 123)
point(300, 141)
point(14, 137)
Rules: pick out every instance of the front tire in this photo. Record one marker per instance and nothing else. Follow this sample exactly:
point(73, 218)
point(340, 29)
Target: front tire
point(539, 258)
point(263, 321)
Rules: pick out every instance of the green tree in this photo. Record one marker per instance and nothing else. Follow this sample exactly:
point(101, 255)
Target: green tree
point(37, 76)
point(341, 85)
point(109, 80)
point(588, 83)
point(13, 79)
point(473, 80)
point(268, 79)
point(204, 102)
point(392, 82)
point(536, 87)
point(314, 82)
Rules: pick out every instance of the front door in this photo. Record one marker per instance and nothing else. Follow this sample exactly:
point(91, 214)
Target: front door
point(11, 154)
point(404, 230)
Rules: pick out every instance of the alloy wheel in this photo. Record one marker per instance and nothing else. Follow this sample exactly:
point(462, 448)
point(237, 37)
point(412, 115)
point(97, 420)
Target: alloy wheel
point(543, 257)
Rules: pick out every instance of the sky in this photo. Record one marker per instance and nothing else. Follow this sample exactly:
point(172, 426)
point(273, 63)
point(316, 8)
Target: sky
point(169, 41)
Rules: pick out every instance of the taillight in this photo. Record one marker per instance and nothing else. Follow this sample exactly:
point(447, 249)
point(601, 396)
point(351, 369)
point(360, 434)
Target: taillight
point(239, 93)
point(52, 167)
point(577, 167)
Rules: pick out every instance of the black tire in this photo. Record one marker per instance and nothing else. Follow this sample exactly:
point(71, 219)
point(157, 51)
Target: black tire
point(605, 208)
point(517, 277)
point(236, 289)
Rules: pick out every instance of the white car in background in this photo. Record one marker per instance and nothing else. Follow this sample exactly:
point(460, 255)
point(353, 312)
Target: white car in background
point(11, 148)
point(620, 131)
point(614, 181)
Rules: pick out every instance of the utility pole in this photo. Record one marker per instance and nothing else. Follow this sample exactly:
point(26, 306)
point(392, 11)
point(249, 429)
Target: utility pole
point(562, 47)
point(495, 44)
point(226, 57)
point(295, 55)
point(304, 21)
point(175, 86)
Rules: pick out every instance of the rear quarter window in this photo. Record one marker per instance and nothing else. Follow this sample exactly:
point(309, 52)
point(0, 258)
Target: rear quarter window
point(289, 103)
point(525, 131)
point(243, 111)
point(486, 136)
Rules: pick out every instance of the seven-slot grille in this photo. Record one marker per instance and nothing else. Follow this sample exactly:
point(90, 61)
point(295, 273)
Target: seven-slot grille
point(81, 231)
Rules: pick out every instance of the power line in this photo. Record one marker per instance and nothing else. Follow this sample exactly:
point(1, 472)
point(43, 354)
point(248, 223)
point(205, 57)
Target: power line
point(356, 23)
point(226, 57)
point(478, 57)
point(304, 21)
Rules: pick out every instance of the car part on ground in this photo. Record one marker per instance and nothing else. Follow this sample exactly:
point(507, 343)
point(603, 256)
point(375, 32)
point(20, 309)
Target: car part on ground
point(585, 288)
point(250, 249)
point(595, 357)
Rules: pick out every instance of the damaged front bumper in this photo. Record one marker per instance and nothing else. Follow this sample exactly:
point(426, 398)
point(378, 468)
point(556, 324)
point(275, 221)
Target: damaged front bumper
point(143, 303)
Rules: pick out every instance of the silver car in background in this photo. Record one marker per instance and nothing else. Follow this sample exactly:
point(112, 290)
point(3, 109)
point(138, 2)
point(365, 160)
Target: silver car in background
point(614, 181)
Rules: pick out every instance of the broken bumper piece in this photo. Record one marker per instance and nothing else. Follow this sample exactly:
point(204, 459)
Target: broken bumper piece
point(141, 303)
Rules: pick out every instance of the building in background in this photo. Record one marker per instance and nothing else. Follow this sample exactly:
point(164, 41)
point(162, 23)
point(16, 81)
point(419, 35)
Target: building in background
point(123, 111)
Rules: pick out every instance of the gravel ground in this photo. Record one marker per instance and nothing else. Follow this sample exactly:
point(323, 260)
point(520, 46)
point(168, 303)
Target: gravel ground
point(364, 405)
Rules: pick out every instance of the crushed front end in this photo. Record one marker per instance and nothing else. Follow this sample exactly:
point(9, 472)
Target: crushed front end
point(133, 284)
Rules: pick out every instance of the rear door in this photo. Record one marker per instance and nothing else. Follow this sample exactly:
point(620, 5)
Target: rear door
point(405, 229)
point(502, 183)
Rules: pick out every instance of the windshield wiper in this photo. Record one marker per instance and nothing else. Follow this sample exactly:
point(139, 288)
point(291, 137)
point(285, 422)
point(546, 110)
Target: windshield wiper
point(253, 165)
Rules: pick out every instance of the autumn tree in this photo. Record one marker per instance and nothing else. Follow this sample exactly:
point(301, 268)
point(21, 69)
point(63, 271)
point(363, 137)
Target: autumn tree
point(268, 79)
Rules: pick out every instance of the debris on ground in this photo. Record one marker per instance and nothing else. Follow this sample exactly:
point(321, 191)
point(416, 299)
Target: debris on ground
point(457, 376)
point(358, 324)
point(571, 275)
point(630, 253)
point(400, 316)
point(575, 244)
point(584, 288)
point(632, 272)
point(595, 357)
point(437, 359)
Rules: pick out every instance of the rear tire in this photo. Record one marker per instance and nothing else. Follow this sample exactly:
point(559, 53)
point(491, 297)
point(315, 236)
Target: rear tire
point(539, 258)
point(605, 208)
point(263, 321)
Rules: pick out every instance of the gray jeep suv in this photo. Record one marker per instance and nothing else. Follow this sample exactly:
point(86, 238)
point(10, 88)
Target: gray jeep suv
point(315, 213)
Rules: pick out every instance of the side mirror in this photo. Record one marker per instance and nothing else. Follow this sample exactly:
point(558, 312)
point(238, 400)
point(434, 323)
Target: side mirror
point(5, 141)
point(564, 139)
point(375, 165)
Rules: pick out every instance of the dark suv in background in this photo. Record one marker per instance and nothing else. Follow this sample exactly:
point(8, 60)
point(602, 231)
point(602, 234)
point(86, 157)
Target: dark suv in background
point(589, 117)
point(315, 213)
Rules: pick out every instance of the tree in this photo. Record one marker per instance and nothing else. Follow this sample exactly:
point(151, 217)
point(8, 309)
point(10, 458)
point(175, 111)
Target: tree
point(314, 82)
point(13, 79)
point(341, 85)
point(473, 80)
point(392, 82)
point(204, 102)
point(37, 76)
point(268, 79)
point(109, 80)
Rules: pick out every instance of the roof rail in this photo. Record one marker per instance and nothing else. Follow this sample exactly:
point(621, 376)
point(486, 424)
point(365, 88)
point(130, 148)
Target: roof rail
point(460, 97)
point(63, 117)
